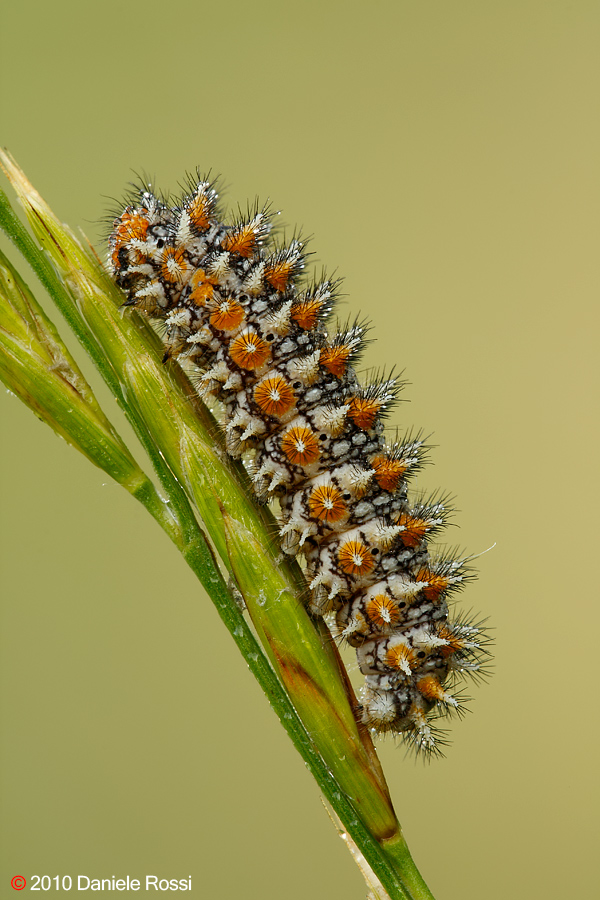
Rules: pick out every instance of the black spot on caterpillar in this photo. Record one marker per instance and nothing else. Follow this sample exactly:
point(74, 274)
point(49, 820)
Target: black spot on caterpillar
point(233, 307)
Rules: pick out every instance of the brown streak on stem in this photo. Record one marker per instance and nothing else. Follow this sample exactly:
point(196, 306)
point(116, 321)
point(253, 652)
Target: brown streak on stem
point(293, 676)
point(48, 232)
point(365, 734)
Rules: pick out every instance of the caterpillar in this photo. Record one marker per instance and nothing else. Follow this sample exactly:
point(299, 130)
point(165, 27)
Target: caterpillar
point(235, 308)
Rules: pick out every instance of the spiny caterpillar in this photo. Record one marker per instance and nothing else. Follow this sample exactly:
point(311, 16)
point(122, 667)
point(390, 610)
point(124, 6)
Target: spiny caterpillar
point(233, 309)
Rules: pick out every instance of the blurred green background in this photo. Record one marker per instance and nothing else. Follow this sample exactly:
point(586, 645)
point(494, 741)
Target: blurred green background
point(444, 156)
